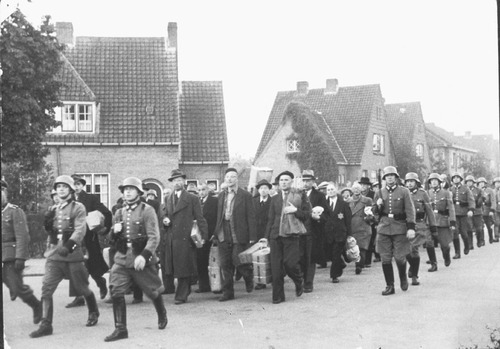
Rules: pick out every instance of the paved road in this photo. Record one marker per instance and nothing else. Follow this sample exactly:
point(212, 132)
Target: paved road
point(451, 307)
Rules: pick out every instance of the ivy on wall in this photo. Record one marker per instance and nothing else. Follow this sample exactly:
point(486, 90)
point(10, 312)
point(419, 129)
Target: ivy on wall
point(314, 151)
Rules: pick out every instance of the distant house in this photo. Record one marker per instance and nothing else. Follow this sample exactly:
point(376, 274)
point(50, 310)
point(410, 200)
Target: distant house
point(350, 123)
point(125, 114)
point(447, 148)
point(407, 131)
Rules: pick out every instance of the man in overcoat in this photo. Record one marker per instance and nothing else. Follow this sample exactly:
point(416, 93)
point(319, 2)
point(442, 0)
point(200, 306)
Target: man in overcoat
point(337, 228)
point(312, 244)
point(361, 223)
point(181, 210)
point(488, 208)
point(368, 191)
point(464, 208)
point(476, 221)
point(234, 233)
point(262, 204)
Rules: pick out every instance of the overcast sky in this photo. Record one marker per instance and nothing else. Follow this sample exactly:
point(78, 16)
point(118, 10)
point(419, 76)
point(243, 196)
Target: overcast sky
point(441, 53)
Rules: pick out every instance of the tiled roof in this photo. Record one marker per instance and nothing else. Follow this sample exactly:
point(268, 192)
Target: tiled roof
point(347, 113)
point(127, 75)
point(439, 137)
point(73, 87)
point(402, 119)
point(203, 122)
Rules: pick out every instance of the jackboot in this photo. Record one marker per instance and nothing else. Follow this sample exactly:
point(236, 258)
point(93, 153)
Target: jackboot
point(466, 246)
point(77, 302)
point(389, 279)
point(402, 276)
point(446, 256)
point(45, 328)
point(456, 246)
point(120, 316)
point(470, 236)
point(410, 269)
point(480, 238)
point(36, 305)
point(161, 311)
point(415, 267)
point(93, 311)
point(431, 252)
point(103, 289)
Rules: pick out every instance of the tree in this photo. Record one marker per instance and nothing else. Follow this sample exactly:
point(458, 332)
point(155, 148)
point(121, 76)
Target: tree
point(408, 161)
point(30, 60)
point(476, 166)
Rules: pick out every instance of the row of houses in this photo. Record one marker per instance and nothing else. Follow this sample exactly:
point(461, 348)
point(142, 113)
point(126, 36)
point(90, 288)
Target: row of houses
point(125, 113)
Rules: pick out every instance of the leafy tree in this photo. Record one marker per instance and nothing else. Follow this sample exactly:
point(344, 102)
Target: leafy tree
point(408, 161)
point(30, 61)
point(478, 166)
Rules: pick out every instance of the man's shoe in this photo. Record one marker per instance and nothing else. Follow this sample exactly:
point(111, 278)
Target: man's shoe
point(117, 334)
point(299, 290)
point(495, 240)
point(388, 290)
point(433, 268)
point(77, 302)
point(217, 292)
point(335, 280)
point(278, 301)
point(377, 259)
point(201, 291)
point(414, 281)
point(404, 284)
point(428, 262)
point(456, 256)
point(225, 298)
point(45, 329)
point(179, 301)
point(92, 320)
point(368, 265)
point(137, 300)
point(410, 274)
point(358, 270)
point(260, 286)
point(249, 285)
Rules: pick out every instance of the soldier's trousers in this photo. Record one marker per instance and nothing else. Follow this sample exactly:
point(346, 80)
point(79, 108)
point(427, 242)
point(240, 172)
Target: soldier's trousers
point(308, 268)
point(121, 279)
point(488, 221)
point(13, 279)
point(462, 228)
point(497, 225)
point(477, 223)
point(56, 271)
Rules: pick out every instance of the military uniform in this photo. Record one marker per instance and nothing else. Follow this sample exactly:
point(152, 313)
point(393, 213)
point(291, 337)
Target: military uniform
point(476, 221)
point(488, 210)
point(497, 213)
point(464, 202)
point(15, 240)
point(444, 212)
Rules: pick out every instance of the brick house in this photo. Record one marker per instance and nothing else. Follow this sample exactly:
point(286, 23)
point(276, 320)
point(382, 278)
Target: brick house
point(445, 146)
point(125, 114)
point(351, 119)
point(407, 128)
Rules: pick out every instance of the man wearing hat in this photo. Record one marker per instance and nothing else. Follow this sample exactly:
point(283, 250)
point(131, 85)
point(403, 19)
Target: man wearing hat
point(181, 210)
point(152, 200)
point(262, 203)
point(496, 184)
point(488, 209)
point(312, 247)
point(65, 259)
point(289, 213)
point(476, 221)
point(464, 207)
point(396, 227)
point(367, 191)
point(235, 231)
point(136, 235)
point(95, 263)
point(15, 241)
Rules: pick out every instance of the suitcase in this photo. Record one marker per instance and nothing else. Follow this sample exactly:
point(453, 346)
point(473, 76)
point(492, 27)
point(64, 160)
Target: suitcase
point(246, 256)
point(262, 256)
point(262, 272)
point(214, 258)
point(215, 277)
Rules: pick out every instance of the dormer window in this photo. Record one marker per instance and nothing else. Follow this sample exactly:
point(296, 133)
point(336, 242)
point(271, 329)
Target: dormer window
point(75, 117)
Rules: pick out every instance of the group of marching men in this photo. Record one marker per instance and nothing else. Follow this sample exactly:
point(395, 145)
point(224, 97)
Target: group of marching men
point(303, 227)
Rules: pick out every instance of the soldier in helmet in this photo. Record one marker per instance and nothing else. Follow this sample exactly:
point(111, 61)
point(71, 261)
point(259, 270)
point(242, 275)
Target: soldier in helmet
point(137, 236)
point(464, 207)
point(496, 198)
point(444, 211)
point(476, 221)
point(425, 224)
point(488, 208)
point(66, 260)
point(15, 240)
point(396, 227)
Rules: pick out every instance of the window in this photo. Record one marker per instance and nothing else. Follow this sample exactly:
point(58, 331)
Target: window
point(75, 117)
point(292, 146)
point(419, 150)
point(192, 184)
point(378, 144)
point(213, 184)
point(379, 113)
point(364, 173)
point(97, 184)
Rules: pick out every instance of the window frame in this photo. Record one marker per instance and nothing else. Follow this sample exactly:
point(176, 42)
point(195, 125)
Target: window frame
point(90, 179)
point(77, 121)
point(380, 149)
point(419, 150)
point(292, 145)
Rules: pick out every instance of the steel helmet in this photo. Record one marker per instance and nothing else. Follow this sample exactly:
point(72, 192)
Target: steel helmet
point(65, 179)
point(412, 176)
point(434, 176)
point(455, 174)
point(390, 170)
point(481, 179)
point(131, 182)
point(470, 178)
point(496, 179)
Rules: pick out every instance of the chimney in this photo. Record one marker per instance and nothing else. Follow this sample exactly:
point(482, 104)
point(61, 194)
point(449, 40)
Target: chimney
point(332, 87)
point(302, 87)
point(468, 135)
point(172, 35)
point(64, 33)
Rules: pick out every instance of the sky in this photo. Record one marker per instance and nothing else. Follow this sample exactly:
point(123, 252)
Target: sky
point(440, 53)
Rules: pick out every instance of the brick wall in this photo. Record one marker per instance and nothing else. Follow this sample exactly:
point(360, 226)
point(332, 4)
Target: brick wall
point(204, 172)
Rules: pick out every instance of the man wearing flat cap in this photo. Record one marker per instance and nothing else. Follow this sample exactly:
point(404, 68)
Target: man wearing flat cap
point(234, 233)
point(289, 213)
point(181, 210)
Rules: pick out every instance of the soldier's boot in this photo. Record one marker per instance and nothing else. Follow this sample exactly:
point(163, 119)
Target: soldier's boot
point(470, 240)
point(120, 316)
point(403, 279)
point(456, 246)
point(431, 252)
point(480, 237)
point(389, 279)
point(103, 289)
point(466, 246)
point(410, 269)
point(446, 256)
point(415, 267)
point(490, 235)
point(161, 311)
point(93, 310)
point(37, 307)
point(45, 328)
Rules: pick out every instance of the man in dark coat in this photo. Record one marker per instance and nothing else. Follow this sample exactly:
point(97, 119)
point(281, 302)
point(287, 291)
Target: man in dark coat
point(95, 263)
point(151, 199)
point(181, 210)
point(312, 250)
point(370, 193)
point(209, 209)
point(234, 233)
point(337, 228)
point(262, 203)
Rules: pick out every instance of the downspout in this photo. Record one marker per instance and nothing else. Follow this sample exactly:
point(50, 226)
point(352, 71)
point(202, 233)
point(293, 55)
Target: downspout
point(58, 160)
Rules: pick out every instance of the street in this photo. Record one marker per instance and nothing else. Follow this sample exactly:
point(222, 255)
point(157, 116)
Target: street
point(451, 308)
